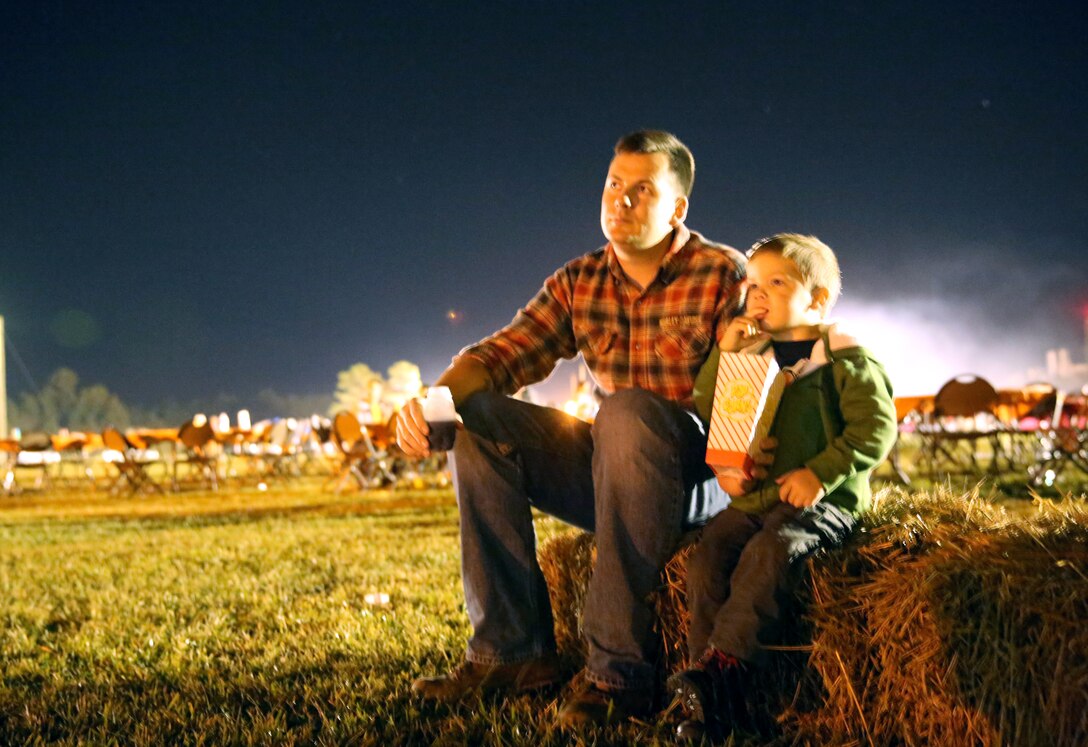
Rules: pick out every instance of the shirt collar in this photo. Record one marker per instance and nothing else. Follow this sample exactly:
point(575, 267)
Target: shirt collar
point(672, 261)
point(681, 235)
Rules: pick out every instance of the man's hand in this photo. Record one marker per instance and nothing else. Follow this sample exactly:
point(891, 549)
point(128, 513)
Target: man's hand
point(800, 488)
point(737, 483)
point(464, 377)
point(732, 482)
point(412, 429)
point(741, 332)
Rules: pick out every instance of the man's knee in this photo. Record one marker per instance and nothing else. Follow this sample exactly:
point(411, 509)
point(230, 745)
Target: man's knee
point(631, 411)
point(468, 459)
point(482, 408)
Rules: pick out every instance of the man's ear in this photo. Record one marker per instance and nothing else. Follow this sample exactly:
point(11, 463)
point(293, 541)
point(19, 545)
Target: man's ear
point(681, 211)
point(820, 298)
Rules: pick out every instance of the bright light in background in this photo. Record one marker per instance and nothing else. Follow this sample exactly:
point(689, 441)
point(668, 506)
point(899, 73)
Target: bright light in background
point(923, 344)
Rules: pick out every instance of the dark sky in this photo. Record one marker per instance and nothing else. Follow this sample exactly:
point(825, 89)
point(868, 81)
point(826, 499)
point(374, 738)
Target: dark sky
point(223, 198)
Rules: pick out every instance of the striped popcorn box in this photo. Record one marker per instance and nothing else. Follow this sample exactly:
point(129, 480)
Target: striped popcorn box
point(746, 395)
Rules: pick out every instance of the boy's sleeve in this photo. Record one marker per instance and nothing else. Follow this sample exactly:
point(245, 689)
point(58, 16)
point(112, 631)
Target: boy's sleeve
point(702, 394)
point(870, 427)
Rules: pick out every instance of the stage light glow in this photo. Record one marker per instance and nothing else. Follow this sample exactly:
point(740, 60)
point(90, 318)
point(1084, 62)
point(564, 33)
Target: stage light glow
point(923, 344)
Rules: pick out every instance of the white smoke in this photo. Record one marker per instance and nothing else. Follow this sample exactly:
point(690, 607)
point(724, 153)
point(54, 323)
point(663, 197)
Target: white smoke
point(924, 343)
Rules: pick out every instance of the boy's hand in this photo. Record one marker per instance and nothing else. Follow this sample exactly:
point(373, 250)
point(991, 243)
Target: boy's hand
point(741, 332)
point(800, 488)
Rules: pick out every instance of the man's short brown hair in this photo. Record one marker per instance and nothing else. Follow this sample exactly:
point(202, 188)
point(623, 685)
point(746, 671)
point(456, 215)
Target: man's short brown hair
point(681, 162)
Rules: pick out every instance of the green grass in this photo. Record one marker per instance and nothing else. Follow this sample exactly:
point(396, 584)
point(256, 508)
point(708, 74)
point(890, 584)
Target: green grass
point(241, 617)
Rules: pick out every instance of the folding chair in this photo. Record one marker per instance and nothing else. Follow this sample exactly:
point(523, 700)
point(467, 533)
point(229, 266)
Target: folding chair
point(1032, 408)
point(199, 453)
point(132, 463)
point(1063, 441)
point(279, 454)
point(74, 467)
point(318, 455)
point(963, 416)
point(36, 454)
point(360, 460)
point(243, 452)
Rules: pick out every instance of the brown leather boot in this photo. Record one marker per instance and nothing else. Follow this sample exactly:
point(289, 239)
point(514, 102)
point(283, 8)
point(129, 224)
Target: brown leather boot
point(468, 678)
point(593, 705)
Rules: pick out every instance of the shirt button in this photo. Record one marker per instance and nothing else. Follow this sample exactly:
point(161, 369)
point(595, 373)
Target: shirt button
point(638, 346)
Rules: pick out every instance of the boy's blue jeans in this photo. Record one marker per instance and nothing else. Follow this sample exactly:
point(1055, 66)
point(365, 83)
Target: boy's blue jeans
point(636, 478)
point(742, 574)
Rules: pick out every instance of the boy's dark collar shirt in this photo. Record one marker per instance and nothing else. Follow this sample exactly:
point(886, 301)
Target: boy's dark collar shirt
point(789, 352)
point(654, 338)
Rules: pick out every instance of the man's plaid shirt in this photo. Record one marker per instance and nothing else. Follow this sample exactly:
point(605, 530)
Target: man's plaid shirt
point(654, 339)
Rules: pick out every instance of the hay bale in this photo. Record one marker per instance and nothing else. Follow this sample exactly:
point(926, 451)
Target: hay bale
point(567, 562)
point(950, 620)
point(946, 620)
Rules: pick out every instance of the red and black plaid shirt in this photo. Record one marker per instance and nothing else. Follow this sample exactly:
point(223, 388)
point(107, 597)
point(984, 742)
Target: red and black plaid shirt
point(654, 339)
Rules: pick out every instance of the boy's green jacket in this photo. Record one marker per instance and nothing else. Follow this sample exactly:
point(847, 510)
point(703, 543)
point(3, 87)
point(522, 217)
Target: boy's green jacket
point(837, 418)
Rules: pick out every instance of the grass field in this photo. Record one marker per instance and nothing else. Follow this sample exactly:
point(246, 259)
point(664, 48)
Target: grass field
point(243, 617)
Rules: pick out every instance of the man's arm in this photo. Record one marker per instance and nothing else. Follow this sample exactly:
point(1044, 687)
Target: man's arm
point(521, 353)
point(465, 377)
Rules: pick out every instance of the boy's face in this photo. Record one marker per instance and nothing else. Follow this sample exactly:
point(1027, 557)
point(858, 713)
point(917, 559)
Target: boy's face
point(779, 298)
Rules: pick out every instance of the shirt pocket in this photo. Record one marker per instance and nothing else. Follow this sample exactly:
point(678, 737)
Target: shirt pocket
point(597, 342)
point(683, 344)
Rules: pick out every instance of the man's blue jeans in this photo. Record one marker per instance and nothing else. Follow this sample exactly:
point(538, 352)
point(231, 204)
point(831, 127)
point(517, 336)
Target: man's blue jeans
point(636, 478)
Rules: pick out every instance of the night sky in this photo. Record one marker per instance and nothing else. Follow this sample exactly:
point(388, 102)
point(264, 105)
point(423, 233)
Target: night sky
point(202, 199)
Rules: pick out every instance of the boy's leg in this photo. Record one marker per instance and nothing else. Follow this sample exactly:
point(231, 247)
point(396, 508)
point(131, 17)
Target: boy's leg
point(651, 482)
point(708, 570)
point(513, 455)
point(767, 571)
point(738, 577)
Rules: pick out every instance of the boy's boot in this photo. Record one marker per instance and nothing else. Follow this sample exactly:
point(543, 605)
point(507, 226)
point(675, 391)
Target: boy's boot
point(712, 695)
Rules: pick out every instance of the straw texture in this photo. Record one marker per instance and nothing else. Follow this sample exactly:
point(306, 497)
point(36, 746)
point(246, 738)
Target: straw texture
point(946, 620)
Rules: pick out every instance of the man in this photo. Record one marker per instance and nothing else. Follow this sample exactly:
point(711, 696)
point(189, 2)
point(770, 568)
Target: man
point(643, 311)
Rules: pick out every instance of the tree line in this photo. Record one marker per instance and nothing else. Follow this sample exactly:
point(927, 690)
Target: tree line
point(64, 402)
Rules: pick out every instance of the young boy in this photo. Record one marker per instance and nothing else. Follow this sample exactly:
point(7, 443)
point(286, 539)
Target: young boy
point(834, 424)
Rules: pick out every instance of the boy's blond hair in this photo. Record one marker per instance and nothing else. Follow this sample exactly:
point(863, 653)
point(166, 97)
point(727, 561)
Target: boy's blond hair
point(814, 259)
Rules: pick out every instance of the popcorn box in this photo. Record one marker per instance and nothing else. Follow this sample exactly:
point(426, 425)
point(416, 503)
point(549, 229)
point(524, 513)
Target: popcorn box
point(742, 394)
